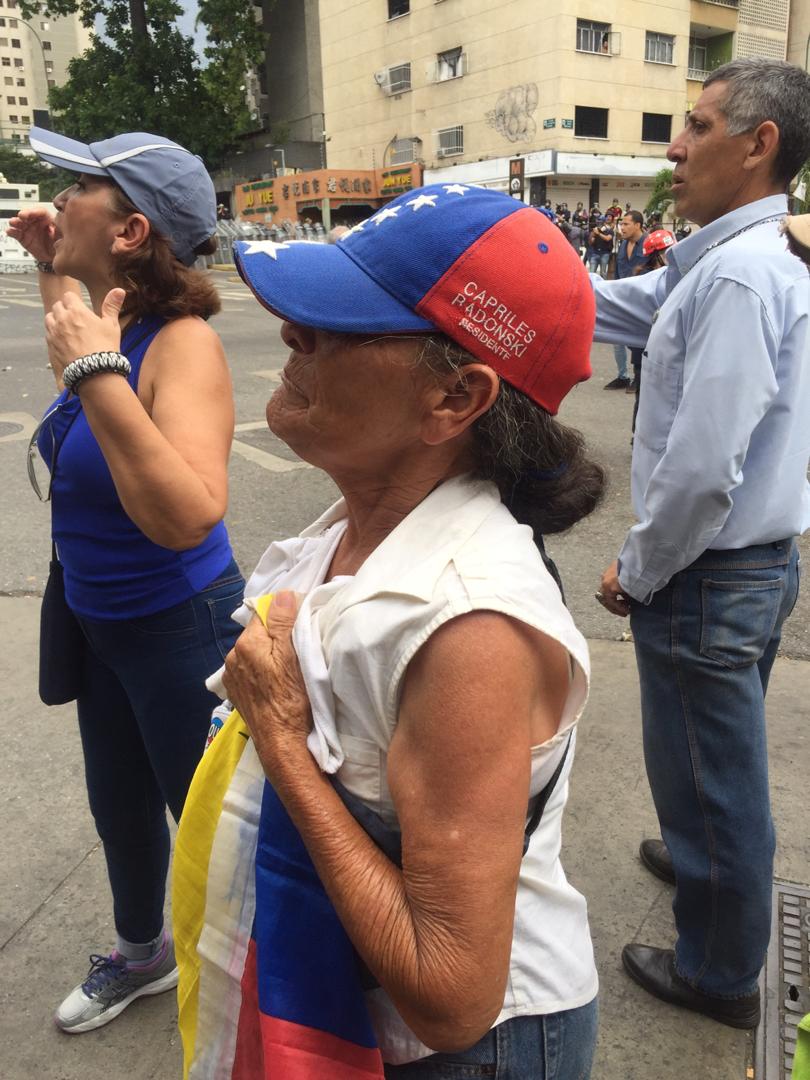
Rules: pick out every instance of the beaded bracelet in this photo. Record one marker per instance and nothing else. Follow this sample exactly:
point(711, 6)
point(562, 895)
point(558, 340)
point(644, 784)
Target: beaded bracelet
point(94, 364)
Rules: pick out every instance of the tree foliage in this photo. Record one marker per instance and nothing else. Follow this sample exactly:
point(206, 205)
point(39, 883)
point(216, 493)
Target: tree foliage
point(144, 73)
point(661, 195)
point(23, 169)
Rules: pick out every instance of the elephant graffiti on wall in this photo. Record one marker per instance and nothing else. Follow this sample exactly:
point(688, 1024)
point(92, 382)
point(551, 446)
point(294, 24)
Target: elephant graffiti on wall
point(512, 115)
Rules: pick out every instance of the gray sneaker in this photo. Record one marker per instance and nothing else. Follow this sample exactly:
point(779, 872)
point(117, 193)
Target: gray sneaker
point(110, 986)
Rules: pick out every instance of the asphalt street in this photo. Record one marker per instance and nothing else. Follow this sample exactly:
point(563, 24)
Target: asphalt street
point(54, 900)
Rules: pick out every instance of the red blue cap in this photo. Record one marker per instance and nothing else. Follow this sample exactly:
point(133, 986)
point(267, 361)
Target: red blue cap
point(489, 272)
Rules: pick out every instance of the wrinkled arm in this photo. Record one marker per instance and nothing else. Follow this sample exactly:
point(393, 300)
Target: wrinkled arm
point(438, 933)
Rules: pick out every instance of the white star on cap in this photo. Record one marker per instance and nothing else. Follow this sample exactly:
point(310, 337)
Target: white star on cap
point(455, 189)
point(355, 228)
point(422, 200)
point(389, 211)
point(264, 247)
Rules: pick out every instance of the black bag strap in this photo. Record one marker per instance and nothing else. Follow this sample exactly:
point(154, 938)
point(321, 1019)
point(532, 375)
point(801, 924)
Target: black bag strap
point(538, 804)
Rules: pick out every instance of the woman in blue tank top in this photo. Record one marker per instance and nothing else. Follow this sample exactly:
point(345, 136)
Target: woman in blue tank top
point(137, 443)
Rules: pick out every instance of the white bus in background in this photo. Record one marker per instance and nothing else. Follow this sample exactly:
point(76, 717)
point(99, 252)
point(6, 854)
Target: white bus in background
point(13, 197)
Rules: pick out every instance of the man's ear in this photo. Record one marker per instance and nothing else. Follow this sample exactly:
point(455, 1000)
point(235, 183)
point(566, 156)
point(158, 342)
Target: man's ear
point(764, 146)
point(130, 234)
point(459, 399)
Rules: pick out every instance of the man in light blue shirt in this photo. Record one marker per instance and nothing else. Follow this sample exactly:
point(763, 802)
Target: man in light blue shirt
point(719, 485)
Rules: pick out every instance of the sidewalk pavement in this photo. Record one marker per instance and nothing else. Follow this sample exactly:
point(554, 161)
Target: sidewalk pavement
point(54, 901)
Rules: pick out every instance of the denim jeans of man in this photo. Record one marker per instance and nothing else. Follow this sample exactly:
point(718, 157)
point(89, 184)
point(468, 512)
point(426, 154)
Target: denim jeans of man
point(144, 714)
point(705, 646)
point(598, 262)
point(620, 356)
point(558, 1046)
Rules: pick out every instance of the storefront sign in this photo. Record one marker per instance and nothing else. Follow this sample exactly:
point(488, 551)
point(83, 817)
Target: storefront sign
point(517, 173)
point(292, 197)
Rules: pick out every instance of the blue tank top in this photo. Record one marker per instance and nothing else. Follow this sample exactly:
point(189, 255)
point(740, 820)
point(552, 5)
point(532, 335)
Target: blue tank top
point(113, 571)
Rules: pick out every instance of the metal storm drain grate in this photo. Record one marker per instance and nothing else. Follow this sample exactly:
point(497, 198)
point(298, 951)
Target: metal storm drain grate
point(785, 982)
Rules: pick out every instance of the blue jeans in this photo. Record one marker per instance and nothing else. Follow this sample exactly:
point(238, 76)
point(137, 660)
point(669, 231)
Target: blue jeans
point(558, 1046)
point(620, 356)
point(144, 714)
point(598, 262)
point(705, 646)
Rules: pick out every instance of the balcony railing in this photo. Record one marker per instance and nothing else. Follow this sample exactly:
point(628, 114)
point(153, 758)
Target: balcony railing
point(697, 73)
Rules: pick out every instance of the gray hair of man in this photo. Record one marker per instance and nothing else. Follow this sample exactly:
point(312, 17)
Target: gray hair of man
point(760, 89)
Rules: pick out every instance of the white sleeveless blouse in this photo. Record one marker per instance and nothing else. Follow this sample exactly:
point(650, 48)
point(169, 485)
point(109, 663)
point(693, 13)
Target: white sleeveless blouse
point(460, 550)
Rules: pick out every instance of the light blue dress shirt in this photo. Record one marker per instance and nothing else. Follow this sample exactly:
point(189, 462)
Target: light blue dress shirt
point(722, 435)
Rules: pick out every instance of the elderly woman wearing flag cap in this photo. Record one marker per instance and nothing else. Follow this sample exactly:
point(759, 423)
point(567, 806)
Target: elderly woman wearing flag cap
point(367, 878)
point(136, 448)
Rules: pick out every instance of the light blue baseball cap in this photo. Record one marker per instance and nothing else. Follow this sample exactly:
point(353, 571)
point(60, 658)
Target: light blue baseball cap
point(167, 183)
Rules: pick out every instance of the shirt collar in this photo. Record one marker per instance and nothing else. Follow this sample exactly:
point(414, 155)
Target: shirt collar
point(685, 254)
point(411, 559)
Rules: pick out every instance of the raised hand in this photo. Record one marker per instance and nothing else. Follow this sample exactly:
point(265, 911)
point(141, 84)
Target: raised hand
point(72, 329)
point(34, 229)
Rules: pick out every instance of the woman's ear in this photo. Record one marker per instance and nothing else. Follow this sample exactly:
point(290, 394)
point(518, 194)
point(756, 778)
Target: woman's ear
point(457, 401)
point(130, 233)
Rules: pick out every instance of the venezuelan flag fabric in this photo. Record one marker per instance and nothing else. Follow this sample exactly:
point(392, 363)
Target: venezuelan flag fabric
point(269, 988)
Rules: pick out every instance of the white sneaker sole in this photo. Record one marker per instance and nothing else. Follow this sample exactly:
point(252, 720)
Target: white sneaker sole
point(159, 986)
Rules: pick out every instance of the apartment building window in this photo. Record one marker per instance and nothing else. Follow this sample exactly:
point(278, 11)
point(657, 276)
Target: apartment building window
point(4, 42)
point(46, 45)
point(396, 8)
point(5, 61)
point(20, 82)
point(659, 48)
point(404, 151)
point(26, 119)
point(8, 80)
point(593, 37)
point(49, 66)
point(656, 127)
point(15, 43)
point(13, 119)
point(698, 58)
point(450, 141)
point(23, 101)
point(11, 3)
point(590, 123)
point(11, 100)
point(51, 83)
point(18, 62)
point(450, 64)
point(2, 22)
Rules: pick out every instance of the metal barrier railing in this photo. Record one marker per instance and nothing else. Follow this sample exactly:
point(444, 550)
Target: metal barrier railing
point(228, 232)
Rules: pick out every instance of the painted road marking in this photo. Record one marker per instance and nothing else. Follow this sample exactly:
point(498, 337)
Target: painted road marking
point(271, 462)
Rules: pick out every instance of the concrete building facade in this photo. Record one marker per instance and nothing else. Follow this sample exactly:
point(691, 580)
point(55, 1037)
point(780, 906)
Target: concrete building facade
point(588, 92)
point(34, 56)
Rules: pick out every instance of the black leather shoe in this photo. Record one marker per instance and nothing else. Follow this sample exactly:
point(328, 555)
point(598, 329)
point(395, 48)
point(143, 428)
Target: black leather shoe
point(655, 856)
point(654, 970)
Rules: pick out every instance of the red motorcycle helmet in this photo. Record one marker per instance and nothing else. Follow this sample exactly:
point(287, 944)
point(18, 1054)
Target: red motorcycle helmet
point(658, 240)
